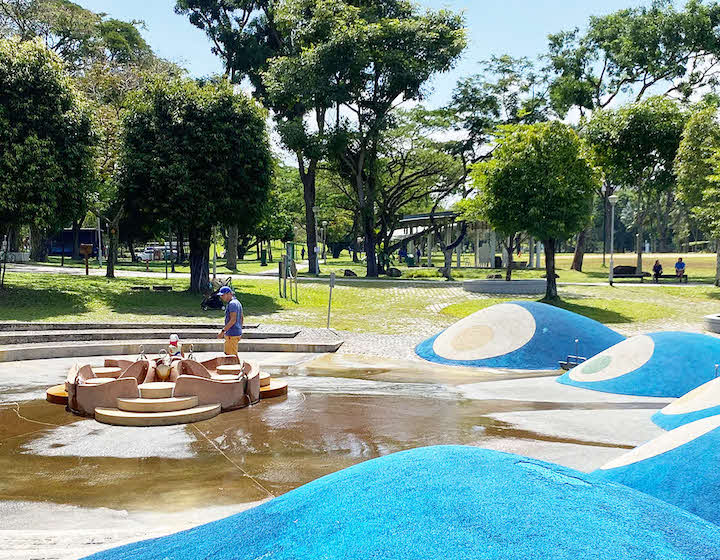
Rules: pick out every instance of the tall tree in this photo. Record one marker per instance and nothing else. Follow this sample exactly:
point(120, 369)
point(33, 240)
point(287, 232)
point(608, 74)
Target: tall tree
point(697, 167)
point(635, 146)
point(46, 141)
point(539, 181)
point(227, 178)
point(385, 53)
point(634, 53)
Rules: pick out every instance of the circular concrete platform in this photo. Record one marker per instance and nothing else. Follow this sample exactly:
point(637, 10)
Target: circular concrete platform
point(274, 389)
point(57, 395)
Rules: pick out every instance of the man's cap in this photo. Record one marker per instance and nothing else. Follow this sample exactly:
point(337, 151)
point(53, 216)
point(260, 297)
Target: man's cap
point(224, 290)
point(174, 338)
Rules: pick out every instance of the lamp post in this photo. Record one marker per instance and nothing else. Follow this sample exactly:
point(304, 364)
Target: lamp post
point(612, 199)
point(325, 224)
point(315, 210)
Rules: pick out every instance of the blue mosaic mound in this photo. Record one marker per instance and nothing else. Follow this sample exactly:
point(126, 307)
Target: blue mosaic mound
point(664, 364)
point(446, 502)
point(699, 403)
point(518, 335)
point(680, 467)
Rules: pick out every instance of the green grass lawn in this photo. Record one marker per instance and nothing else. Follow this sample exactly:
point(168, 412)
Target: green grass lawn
point(381, 307)
point(700, 267)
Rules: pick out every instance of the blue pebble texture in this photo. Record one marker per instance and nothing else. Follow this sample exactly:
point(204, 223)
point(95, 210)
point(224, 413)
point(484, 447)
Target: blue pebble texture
point(553, 341)
point(680, 362)
point(446, 502)
point(687, 476)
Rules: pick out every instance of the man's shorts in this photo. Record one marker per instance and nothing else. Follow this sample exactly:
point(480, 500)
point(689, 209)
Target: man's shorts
point(231, 345)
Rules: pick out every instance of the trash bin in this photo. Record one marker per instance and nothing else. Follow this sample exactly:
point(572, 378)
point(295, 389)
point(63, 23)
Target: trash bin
point(410, 260)
point(263, 257)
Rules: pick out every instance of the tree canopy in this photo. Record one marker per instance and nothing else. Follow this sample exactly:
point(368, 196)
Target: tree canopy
point(46, 140)
point(197, 156)
point(539, 180)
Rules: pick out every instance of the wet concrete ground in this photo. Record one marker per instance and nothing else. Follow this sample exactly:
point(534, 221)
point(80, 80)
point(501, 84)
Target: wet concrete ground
point(129, 483)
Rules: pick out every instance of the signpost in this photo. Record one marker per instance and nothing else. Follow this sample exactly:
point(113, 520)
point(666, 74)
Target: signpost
point(86, 250)
point(332, 285)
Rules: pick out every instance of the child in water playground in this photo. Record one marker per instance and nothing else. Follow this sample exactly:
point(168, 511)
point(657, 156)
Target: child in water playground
point(175, 347)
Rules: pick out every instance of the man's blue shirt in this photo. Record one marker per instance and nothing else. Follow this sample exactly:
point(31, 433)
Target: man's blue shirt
point(236, 329)
point(679, 266)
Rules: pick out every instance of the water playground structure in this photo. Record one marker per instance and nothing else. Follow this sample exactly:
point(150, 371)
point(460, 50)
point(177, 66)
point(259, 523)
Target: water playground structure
point(447, 502)
point(699, 403)
point(163, 391)
point(521, 335)
point(662, 364)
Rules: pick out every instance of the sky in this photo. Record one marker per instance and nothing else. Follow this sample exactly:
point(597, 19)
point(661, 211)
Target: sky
point(494, 27)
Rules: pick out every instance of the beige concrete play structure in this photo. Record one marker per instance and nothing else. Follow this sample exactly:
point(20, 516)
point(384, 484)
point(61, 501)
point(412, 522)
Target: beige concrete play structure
point(161, 392)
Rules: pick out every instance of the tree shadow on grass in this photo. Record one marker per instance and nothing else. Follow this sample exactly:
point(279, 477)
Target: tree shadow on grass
point(35, 303)
point(607, 316)
point(181, 304)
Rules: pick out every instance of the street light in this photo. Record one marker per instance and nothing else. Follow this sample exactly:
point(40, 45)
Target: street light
point(315, 210)
point(612, 199)
point(325, 224)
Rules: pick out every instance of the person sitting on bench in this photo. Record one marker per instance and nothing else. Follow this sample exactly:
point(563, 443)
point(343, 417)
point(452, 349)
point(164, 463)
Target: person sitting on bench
point(680, 268)
point(657, 270)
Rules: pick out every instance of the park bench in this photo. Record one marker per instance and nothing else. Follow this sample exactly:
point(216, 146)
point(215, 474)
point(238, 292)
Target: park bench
point(624, 271)
point(680, 279)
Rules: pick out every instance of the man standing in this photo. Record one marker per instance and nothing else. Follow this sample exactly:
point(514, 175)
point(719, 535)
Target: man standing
point(234, 319)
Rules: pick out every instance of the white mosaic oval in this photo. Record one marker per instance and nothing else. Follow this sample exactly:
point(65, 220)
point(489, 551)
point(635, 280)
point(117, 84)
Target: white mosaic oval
point(666, 442)
point(494, 331)
point(624, 357)
point(705, 396)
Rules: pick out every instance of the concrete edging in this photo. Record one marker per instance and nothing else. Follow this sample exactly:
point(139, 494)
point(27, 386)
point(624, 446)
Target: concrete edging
point(514, 287)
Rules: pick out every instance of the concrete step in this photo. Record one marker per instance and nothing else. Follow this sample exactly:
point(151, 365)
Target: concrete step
point(274, 389)
point(124, 418)
point(157, 405)
point(17, 352)
point(264, 379)
point(157, 390)
point(39, 336)
point(37, 326)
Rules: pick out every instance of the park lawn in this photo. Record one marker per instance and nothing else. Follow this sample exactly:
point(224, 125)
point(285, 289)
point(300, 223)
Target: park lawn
point(700, 267)
point(381, 307)
point(247, 266)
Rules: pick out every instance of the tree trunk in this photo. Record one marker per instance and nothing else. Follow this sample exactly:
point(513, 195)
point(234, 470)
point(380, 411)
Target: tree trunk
point(270, 258)
point(133, 257)
point(113, 242)
point(446, 270)
point(38, 242)
point(510, 250)
point(551, 287)
point(180, 246)
point(717, 262)
point(369, 234)
point(579, 255)
point(308, 181)
point(199, 259)
point(639, 249)
point(13, 242)
point(231, 251)
point(76, 240)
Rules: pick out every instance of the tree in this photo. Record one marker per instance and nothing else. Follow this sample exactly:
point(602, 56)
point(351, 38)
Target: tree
point(384, 54)
point(227, 178)
point(539, 180)
point(634, 53)
point(698, 170)
point(46, 140)
point(635, 146)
